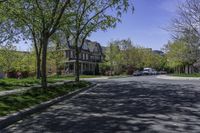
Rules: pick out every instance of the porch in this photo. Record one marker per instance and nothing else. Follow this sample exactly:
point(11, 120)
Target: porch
point(87, 68)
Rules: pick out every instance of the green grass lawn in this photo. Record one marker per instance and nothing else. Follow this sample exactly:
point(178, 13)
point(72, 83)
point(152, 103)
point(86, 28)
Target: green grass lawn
point(11, 83)
point(18, 82)
point(16, 102)
point(186, 75)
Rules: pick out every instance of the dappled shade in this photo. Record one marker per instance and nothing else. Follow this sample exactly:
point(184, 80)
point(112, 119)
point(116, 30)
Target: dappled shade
point(130, 106)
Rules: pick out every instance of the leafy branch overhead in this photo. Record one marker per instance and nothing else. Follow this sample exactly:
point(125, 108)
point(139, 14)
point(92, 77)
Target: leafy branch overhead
point(39, 20)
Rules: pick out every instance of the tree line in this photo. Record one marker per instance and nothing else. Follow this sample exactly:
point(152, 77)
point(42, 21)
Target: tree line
point(45, 21)
point(183, 51)
point(123, 57)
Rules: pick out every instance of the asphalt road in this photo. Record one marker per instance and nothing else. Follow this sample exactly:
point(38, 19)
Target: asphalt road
point(126, 105)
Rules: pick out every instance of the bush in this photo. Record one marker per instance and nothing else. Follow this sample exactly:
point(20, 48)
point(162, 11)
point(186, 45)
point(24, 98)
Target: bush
point(130, 70)
point(25, 74)
point(12, 74)
point(104, 68)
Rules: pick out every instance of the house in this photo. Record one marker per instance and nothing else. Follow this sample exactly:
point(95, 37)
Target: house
point(90, 56)
point(159, 52)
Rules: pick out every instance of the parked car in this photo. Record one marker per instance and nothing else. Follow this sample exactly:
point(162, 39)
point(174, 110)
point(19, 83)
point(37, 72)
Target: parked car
point(154, 72)
point(162, 72)
point(147, 71)
point(137, 73)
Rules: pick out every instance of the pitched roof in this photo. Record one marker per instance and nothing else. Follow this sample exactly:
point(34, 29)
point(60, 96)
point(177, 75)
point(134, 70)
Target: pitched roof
point(89, 45)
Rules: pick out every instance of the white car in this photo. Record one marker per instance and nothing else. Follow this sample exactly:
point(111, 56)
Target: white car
point(149, 71)
point(145, 72)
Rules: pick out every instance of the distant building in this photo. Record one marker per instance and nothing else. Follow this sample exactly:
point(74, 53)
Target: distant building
point(158, 52)
point(90, 57)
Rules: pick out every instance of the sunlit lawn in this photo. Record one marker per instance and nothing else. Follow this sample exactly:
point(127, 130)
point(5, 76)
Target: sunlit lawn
point(11, 83)
point(16, 102)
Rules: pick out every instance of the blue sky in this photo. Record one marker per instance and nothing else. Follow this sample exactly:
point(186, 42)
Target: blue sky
point(145, 26)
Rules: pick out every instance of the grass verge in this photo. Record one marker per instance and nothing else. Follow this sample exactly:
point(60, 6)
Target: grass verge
point(71, 77)
point(11, 83)
point(13, 103)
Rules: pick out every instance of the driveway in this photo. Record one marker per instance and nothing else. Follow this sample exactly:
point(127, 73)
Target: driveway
point(127, 105)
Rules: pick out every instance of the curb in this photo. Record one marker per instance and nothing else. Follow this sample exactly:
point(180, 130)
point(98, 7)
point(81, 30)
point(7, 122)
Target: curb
point(12, 118)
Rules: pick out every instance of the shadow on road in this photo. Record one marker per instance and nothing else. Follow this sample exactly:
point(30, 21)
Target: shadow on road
point(121, 107)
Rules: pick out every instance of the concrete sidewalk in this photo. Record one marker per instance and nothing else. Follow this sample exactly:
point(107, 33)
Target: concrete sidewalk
point(176, 78)
point(22, 89)
point(98, 78)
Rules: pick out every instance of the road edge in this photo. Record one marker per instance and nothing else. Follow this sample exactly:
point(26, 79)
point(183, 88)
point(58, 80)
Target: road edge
point(12, 118)
point(167, 77)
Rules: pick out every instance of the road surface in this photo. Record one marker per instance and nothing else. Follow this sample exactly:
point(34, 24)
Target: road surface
point(126, 105)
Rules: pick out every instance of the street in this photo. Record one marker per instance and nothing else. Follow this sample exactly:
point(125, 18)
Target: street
point(124, 105)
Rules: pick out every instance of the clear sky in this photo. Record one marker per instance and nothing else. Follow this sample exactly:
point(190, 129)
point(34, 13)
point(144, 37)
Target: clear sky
point(145, 26)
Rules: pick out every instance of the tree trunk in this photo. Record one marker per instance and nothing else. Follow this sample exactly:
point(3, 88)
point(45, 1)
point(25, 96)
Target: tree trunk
point(77, 79)
point(44, 56)
point(38, 54)
point(38, 71)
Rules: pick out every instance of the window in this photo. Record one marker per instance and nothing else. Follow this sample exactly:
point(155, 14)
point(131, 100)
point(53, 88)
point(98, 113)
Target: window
point(83, 56)
point(72, 54)
point(66, 54)
point(86, 56)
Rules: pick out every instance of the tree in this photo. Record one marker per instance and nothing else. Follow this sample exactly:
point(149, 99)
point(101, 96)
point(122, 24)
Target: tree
point(185, 29)
point(177, 54)
point(8, 34)
point(25, 63)
point(188, 19)
point(16, 61)
point(113, 57)
point(45, 17)
point(90, 16)
point(126, 48)
point(1, 1)
point(186, 25)
point(124, 57)
point(56, 55)
point(8, 57)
